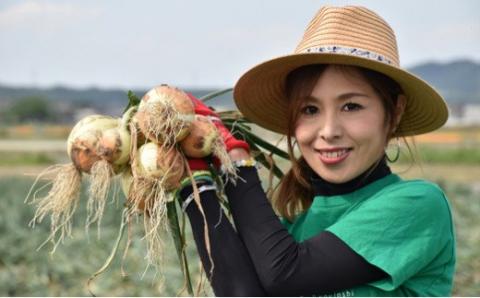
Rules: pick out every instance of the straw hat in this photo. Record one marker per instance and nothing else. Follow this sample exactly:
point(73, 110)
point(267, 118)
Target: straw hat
point(348, 35)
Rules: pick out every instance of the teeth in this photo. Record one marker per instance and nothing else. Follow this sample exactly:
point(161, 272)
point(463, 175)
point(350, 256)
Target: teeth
point(334, 154)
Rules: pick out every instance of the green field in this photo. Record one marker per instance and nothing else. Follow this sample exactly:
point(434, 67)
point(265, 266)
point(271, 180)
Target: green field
point(26, 271)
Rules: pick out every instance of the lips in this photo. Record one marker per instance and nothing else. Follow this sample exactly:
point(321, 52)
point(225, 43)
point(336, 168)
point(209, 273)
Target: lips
point(331, 156)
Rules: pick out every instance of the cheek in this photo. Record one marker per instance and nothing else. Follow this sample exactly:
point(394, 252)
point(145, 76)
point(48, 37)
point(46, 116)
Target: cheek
point(370, 130)
point(303, 133)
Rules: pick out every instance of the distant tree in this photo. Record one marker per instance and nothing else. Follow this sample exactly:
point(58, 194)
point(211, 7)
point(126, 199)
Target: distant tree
point(30, 109)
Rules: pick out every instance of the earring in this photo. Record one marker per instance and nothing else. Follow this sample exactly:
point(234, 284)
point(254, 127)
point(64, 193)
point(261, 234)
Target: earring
point(397, 153)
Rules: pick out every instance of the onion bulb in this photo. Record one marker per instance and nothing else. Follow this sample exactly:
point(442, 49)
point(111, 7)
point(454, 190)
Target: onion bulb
point(98, 145)
point(165, 164)
point(96, 138)
point(165, 114)
point(157, 171)
point(204, 139)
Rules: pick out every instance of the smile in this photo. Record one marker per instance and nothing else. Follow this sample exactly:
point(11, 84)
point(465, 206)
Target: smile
point(333, 156)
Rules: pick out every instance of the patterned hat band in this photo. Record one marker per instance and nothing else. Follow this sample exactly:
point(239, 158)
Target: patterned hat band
point(349, 51)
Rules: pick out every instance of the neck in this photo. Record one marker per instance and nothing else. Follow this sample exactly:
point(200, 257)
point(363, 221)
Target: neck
point(377, 171)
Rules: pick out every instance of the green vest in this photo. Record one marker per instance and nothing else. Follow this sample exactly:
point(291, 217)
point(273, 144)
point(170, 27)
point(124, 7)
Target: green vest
point(404, 227)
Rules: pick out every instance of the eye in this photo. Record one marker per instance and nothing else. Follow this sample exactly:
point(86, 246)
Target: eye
point(309, 110)
point(351, 106)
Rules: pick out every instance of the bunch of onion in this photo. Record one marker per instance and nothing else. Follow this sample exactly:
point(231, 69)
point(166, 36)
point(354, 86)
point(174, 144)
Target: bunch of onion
point(166, 116)
point(98, 145)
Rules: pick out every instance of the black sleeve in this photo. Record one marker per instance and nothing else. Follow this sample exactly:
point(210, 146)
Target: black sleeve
point(321, 265)
point(233, 271)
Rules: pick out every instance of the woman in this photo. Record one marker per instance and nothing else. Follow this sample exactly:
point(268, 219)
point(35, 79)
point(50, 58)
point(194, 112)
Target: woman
point(349, 226)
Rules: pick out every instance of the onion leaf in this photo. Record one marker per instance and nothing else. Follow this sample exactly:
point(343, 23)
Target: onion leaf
point(179, 242)
point(133, 100)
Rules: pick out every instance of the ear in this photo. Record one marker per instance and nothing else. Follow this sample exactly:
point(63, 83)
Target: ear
point(399, 110)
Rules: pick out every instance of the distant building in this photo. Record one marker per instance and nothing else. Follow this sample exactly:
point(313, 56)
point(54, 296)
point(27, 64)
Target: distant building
point(471, 114)
point(464, 115)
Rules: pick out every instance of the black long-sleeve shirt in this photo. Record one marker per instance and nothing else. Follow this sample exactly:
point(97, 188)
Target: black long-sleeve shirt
point(261, 258)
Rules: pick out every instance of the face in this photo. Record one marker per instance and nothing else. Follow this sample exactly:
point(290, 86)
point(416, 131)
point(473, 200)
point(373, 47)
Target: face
point(341, 130)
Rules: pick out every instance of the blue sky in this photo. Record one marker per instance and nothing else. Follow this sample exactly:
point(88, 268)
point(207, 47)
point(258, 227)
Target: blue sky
point(193, 43)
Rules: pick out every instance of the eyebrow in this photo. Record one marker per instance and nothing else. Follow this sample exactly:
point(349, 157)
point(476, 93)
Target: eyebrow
point(349, 95)
point(341, 97)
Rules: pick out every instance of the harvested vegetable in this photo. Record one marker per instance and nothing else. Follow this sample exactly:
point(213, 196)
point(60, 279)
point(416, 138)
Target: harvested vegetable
point(165, 114)
point(203, 140)
point(156, 171)
point(148, 148)
point(97, 145)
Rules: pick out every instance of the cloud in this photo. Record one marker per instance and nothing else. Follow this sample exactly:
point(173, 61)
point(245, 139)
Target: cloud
point(35, 12)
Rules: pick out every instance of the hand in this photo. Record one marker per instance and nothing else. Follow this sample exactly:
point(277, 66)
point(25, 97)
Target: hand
point(239, 154)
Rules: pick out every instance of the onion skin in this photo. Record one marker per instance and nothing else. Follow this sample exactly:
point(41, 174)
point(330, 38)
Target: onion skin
point(140, 120)
point(96, 138)
point(203, 134)
point(83, 151)
point(161, 163)
point(183, 103)
point(165, 114)
point(114, 146)
point(90, 123)
point(126, 180)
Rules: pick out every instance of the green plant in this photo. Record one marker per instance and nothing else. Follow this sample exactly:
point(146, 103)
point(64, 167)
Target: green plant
point(25, 158)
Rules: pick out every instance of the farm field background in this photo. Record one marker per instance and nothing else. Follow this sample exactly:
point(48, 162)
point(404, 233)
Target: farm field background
point(450, 158)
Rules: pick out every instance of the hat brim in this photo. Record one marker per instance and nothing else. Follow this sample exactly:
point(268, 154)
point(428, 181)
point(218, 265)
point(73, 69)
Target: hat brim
point(260, 93)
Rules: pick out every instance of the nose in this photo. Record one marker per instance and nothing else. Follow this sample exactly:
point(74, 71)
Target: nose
point(331, 127)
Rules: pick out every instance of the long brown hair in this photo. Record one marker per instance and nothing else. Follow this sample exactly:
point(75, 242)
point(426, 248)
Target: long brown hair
point(295, 192)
